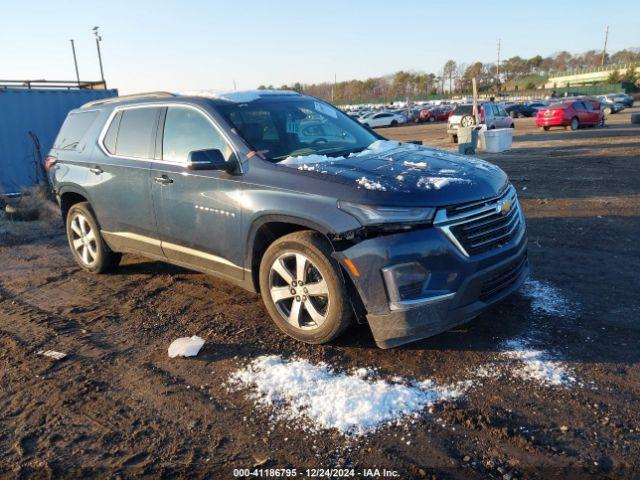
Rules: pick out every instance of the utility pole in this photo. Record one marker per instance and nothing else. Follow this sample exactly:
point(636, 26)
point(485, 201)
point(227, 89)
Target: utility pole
point(333, 88)
point(498, 67)
point(604, 50)
point(98, 40)
point(75, 61)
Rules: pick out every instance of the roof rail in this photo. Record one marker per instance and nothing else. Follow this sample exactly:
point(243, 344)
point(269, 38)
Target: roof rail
point(103, 101)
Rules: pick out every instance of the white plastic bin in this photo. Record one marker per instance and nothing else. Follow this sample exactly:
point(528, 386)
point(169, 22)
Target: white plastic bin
point(497, 140)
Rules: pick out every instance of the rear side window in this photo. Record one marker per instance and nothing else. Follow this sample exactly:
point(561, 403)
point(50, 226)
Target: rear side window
point(135, 137)
point(73, 129)
point(464, 110)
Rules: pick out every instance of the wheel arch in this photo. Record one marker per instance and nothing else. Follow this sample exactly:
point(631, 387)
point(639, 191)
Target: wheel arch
point(69, 196)
point(268, 228)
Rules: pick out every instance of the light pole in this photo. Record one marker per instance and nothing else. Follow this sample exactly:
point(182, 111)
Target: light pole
point(98, 40)
point(75, 61)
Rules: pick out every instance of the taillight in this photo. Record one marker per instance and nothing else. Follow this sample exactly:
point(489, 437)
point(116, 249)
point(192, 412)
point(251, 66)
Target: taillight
point(481, 115)
point(49, 162)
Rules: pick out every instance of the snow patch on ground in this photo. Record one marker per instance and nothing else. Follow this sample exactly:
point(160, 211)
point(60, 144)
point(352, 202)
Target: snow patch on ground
point(353, 403)
point(545, 298)
point(370, 184)
point(536, 365)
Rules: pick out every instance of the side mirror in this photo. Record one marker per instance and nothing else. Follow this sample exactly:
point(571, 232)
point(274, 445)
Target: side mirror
point(210, 159)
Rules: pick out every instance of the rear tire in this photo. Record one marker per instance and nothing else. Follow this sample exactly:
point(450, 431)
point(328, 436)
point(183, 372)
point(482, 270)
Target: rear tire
point(87, 246)
point(546, 129)
point(315, 315)
point(394, 123)
point(607, 111)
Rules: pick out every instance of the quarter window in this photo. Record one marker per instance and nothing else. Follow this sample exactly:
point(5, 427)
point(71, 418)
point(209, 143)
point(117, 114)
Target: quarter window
point(135, 137)
point(111, 136)
point(73, 130)
point(187, 130)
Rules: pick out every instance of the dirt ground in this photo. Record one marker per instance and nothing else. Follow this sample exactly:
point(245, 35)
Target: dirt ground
point(117, 406)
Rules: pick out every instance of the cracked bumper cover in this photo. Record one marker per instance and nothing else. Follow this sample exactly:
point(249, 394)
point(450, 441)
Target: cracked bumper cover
point(456, 283)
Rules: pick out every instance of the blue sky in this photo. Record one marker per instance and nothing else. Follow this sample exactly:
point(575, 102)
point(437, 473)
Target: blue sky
point(197, 44)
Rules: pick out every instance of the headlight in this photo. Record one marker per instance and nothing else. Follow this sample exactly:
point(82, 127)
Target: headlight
point(374, 215)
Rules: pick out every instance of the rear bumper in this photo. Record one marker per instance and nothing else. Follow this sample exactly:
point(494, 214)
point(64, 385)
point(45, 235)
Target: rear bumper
point(551, 122)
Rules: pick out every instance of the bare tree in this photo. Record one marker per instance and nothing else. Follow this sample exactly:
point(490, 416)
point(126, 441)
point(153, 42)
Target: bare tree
point(449, 70)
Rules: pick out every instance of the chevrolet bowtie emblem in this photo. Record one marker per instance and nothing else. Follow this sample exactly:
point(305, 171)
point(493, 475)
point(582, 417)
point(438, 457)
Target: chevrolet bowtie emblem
point(506, 207)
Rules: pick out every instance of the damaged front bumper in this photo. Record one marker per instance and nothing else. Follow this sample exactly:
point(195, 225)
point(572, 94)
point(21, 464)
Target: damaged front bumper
point(459, 287)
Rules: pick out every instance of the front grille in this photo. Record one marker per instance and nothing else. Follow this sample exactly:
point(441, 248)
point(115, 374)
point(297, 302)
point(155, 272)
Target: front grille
point(482, 226)
point(467, 207)
point(502, 278)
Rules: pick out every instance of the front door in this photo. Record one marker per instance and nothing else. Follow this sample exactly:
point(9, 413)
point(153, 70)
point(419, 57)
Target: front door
point(198, 212)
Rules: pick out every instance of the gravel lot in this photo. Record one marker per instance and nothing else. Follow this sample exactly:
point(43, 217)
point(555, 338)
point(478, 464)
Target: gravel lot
point(117, 405)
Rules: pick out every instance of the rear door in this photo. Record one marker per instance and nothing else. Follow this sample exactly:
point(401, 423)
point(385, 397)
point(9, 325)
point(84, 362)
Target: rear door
point(198, 213)
point(120, 191)
point(504, 118)
point(584, 115)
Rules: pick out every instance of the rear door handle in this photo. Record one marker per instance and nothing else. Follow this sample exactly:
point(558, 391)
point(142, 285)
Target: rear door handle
point(97, 170)
point(163, 180)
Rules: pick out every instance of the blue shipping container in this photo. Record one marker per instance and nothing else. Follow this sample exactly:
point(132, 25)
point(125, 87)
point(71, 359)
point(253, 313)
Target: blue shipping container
point(25, 114)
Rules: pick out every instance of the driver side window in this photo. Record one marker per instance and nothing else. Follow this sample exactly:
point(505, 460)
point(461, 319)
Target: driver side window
point(186, 130)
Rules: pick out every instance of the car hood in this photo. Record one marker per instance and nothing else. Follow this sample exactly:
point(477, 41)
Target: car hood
point(406, 174)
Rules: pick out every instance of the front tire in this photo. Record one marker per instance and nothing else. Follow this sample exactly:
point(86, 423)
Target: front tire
point(394, 123)
point(575, 123)
point(303, 289)
point(88, 248)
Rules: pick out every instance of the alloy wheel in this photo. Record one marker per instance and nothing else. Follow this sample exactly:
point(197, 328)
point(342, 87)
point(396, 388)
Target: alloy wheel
point(299, 291)
point(83, 239)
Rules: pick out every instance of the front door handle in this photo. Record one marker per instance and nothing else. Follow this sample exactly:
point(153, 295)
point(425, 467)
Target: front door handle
point(163, 180)
point(97, 170)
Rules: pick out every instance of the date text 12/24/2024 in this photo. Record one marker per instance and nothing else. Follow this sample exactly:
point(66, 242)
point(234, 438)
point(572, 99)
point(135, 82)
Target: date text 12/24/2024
point(315, 473)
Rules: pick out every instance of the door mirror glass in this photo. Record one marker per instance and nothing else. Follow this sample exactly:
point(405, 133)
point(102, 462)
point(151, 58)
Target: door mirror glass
point(208, 159)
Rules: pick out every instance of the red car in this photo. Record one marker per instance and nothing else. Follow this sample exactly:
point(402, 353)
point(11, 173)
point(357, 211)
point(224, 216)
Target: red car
point(572, 114)
point(433, 115)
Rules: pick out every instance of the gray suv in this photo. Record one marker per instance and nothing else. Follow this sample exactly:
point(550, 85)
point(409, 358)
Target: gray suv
point(285, 195)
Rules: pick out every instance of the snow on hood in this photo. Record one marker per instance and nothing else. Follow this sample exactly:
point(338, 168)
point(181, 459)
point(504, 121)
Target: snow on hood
point(391, 166)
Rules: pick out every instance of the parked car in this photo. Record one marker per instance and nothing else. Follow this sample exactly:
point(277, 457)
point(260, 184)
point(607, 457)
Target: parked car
point(571, 114)
point(608, 106)
point(518, 110)
point(537, 105)
point(434, 114)
point(383, 119)
point(216, 185)
point(623, 98)
point(491, 114)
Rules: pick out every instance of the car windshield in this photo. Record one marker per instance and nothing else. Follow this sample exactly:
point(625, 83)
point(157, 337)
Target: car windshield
point(296, 127)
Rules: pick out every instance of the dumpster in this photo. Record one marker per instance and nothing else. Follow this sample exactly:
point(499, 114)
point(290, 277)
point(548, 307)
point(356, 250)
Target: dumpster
point(496, 140)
